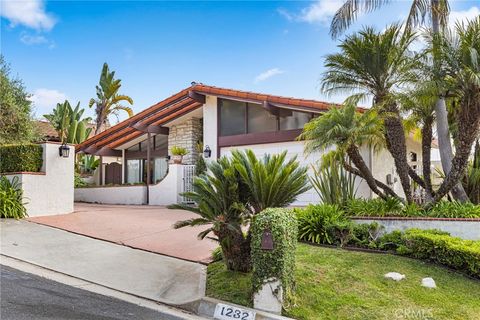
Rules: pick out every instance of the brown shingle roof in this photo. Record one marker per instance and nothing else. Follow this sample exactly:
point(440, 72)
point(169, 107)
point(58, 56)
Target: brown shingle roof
point(46, 130)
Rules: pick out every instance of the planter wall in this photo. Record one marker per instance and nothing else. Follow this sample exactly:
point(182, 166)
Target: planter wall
point(462, 228)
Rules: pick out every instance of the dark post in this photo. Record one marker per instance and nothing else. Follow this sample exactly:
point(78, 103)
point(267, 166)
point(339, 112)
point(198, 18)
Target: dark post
point(148, 165)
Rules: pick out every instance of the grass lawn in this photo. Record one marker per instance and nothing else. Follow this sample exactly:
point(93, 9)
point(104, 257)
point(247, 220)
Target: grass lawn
point(340, 284)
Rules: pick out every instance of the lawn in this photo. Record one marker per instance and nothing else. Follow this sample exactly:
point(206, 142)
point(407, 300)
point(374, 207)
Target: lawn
point(340, 284)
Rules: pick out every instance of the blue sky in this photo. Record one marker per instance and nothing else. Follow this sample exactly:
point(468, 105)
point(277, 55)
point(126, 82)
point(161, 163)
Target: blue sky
point(157, 48)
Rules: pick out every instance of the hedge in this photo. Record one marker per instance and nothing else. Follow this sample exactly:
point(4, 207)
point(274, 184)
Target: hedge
point(278, 263)
point(21, 158)
point(438, 247)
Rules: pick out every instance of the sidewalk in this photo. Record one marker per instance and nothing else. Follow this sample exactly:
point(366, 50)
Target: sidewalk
point(144, 274)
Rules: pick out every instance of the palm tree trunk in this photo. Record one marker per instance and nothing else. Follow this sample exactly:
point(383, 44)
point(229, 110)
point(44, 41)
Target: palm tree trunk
point(235, 249)
point(444, 142)
point(100, 119)
point(469, 127)
point(427, 136)
point(397, 146)
point(365, 173)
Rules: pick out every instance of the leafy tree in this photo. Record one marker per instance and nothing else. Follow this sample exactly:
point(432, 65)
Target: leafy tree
point(108, 100)
point(377, 64)
point(233, 190)
point(16, 125)
point(68, 123)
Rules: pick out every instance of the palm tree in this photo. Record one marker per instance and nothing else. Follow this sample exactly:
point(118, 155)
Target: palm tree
point(460, 54)
point(347, 130)
point(420, 103)
point(437, 12)
point(108, 99)
point(377, 64)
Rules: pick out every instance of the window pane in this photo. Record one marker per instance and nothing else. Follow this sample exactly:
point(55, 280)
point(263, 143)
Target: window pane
point(160, 169)
point(161, 142)
point(232, 117)
point(260, 120)
point(296, 121)
point(133, 171)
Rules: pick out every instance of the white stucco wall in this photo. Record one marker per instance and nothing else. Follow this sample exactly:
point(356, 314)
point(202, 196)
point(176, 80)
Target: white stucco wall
point(210, 124)
point(165, 192)
point(464, 229)
point(112, 195)
point(295, 148)
point(49, 192)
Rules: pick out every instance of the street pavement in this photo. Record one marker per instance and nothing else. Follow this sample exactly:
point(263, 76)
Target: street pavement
point(25, 296)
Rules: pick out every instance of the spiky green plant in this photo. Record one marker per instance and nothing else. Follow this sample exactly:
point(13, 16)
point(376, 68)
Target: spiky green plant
point(11, 199)
point(68, 123)
point(333, 184)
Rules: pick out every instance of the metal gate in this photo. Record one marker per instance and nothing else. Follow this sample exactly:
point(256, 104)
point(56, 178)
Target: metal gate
point(188, 175)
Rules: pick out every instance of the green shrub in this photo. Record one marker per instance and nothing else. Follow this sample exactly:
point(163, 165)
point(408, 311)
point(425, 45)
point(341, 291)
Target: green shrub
point(323, 224)
point(438, 247)
point(178, 151)
point(200, 166)
point(78, 181)
point(447, 209)
point(374, 207)
point(390, 241)
point(365, 235)
point(11, 199)
point(217, 254)
point(21, 157)
point(278, 263)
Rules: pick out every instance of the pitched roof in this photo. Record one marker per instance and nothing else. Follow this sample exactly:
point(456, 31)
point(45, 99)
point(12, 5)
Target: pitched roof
point(182, 103)
point(46, 130)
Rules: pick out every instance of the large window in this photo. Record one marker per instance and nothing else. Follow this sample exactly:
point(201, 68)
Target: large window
point(232, 115)
point(237, 118)
point(260, 120)
point(134, 171)
point(296, 121)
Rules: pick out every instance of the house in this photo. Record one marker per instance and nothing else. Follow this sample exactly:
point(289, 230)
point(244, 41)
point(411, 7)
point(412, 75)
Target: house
point(135, 152)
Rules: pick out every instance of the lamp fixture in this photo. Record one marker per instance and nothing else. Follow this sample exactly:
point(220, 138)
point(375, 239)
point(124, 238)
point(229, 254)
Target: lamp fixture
point(64, 150)
point(207, 153)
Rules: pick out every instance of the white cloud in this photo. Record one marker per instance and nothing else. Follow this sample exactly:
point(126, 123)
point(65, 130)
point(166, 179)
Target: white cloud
point(30, 13)
point(463, 16)
point(33, 39)
point(46, 99)
point(268, 74)
point(321, 11)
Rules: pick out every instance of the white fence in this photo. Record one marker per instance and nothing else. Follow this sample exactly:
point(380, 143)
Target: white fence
point(187, 182)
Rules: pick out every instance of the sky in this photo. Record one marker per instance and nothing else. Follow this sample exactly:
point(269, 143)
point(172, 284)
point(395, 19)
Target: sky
point(158, 48)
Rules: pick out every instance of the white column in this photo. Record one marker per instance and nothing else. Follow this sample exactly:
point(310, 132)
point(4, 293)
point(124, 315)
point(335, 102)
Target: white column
point(210, 125)
point(124, 161)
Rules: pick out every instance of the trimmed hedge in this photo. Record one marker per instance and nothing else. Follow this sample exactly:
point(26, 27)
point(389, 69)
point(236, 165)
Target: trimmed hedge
point(278, 263)
point(21, 158)
point(438, 247)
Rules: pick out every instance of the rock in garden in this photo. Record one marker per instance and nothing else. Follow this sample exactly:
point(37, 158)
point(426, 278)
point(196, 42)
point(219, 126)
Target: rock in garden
point(395, 276)
point(428, 283)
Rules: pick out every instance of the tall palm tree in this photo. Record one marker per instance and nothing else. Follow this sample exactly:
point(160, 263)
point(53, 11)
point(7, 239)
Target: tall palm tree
point(377, 64)
point(108, 100)
point(435, 11)
point(347, 130)
point(460, 54)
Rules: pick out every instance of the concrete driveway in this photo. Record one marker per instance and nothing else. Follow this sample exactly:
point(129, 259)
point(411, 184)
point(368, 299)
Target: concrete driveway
point(147, 228)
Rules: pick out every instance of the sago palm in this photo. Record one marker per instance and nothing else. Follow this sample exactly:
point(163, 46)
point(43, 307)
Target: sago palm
point(220, 206)
point(272, 181)
point(109, 101)
point(346, 130)
point(377, 64)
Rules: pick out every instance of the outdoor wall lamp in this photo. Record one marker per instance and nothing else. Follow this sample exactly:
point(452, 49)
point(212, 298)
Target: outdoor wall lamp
point(64, 150)
point(207, 153)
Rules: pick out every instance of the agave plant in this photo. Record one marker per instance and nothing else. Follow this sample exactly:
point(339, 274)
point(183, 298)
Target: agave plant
point(11, 199)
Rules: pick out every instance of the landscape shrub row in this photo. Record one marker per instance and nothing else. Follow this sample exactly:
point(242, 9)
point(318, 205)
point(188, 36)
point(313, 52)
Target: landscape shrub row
point(21, 157)
point(327, 224)
point(394, 208)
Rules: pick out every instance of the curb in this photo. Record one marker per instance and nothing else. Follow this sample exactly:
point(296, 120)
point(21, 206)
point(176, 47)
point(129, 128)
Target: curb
point(205, 307)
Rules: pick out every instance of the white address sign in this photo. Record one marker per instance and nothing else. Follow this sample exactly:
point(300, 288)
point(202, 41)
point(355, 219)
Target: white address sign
point(226, 312)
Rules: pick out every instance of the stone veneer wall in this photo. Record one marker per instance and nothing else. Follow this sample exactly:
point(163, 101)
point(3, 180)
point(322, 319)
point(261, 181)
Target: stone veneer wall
point(186, 135)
